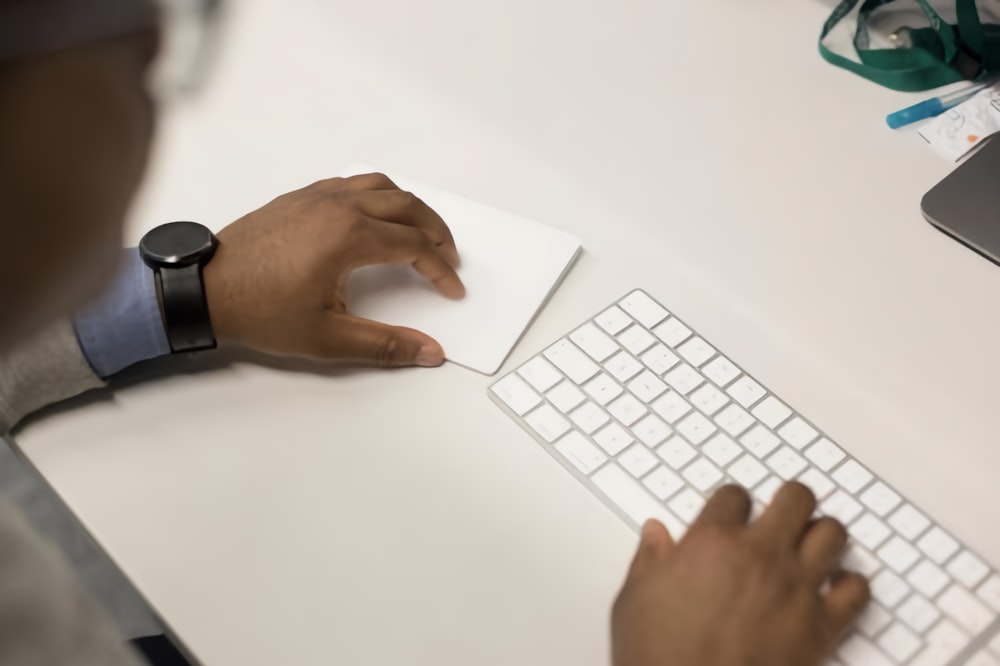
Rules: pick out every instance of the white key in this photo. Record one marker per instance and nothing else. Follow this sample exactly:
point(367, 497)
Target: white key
point(663, 482)
point(584, 455)
point(786, 463)
point(659, 359)
point(771, 411)
point(627, 409)
point(695, 428)
point(943, 642)
point(574, 363)
point(825, 454)
point(548, 423)
point(687, 505)
point(613, 320)
point(594, 341)
point(798, 433)
point(644, 309)
point(646, 386)
point(720, 370)
point(760, 441)
point(721, 450)
point(937, 545)
point(589, 417)
point(995, 643)
point(880, 498)
point(676, 452)
point(638, 460)
point(651, 430)
point(852, 476)
point(918, 613)
point(516, 394)
point(857, 649)
point(696, 351)
point(734, 420)
point(746, 391)
point(623, 366)
point(627, 494)
point(888, 588)
point(968, 569)
point(873, 619)
point(684, 378)
point(870, 531)
point(671, 406)
point(899, 642)
point(636, 339)
point(708, 399)
point(702, 474)
point(613, 439)
point(603, 389)
point(967, 611)
point(672, 332)
point(765, 491)
point(909, 522)
point(540, 373)
point(747, 471)
point(565, 396)
point(841, 506)
point(856, 558)
point(990, 592)
point(897, 553)
point(983, 659)
point(928, 578)
point(818, 482)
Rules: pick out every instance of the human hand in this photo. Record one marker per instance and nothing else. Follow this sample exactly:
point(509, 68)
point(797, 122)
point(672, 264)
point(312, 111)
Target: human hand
point(277, 281)
point(732, 594)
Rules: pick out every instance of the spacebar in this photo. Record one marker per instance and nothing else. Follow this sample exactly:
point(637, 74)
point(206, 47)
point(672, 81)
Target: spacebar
point(627, 494)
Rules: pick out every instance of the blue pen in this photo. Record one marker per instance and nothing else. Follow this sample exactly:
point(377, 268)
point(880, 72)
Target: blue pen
point(932, 107)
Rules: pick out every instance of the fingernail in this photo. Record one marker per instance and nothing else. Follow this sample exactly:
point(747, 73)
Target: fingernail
point(430, 356)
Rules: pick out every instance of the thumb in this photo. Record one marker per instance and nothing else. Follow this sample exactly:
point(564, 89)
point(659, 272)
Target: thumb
point(654, 544)
point(372, 342)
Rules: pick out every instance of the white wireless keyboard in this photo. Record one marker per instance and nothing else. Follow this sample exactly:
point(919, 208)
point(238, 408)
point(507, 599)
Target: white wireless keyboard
point(652, 418)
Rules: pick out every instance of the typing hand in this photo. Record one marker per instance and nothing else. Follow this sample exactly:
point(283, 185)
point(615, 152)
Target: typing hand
point(277, 281)
point(729, 594)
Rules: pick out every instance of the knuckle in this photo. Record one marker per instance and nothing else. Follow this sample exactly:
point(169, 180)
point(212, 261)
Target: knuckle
point(388, 351)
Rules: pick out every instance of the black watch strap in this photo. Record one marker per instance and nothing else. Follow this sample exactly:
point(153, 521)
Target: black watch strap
point(185, 309)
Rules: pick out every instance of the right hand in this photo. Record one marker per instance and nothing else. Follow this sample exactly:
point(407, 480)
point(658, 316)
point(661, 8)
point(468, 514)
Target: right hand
point(732, 594)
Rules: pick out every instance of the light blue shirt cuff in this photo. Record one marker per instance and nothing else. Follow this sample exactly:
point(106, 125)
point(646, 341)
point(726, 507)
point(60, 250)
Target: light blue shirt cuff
point(124, 326)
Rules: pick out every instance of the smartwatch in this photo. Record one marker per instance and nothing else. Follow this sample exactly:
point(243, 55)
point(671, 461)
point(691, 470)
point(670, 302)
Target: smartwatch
point(177, 252)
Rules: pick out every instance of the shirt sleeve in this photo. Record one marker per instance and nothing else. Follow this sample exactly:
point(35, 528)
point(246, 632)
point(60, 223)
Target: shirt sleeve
point(124, 325)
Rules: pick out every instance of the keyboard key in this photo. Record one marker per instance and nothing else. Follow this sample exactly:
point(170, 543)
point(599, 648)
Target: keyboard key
point(856, 558)
point(708, 399)
point(928, 578)
point(870, 531)
point(589, 417)
point(696, 351)
point(918, 613)
point(672, 332)
point(897, 553)
point(880, 498)
point(746, 391)
point(627, 494)
point(734, 420)
point(967, 611)
point(636, 339)
point(659, 359)
point(909, 522)
point(644, 309)
point(623, 366)
point(747, 471)
point(584, 455)
point(899, 642)
point(663, 482)
point(990, 592)
point(720, 370)
point(646, 386)
point(857, 649)
point(721, 450)
point(765, 491)
point(873, 620)
point(613, 320)
point(603, 389)
point(771, 411)
point(638, 460)
point(944, 641)
point(627, 409)
point(888, 588)
point(687, 504)
point(818, 482)
point(841, 506)
point(651, 430)
point(613, 439)
point(516, 394)
point(968, 569)
point(565, 397)
point(540, 374)
point(671, 406)
point(760, 441)
point(702, 474)
point(825, 454)
point(937, 545)
point(786, 463)
point(852, 476)
point(995, 643)
point(676, 452)
point(574, 363)
point(695, 428)
point(684, 378)
point(798, 433)
point(548, 423)
point(594, 341)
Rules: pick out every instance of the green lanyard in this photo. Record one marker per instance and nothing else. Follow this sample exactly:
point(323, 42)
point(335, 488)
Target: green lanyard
point(937, 55)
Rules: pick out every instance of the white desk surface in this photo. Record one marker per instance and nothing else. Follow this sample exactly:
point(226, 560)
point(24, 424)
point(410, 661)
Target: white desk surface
point(702, 150)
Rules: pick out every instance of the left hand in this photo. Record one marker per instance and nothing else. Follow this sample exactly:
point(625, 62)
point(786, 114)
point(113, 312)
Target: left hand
point(277, 281)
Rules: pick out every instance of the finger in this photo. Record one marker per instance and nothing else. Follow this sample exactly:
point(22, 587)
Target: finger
point(373, 343)
point(821, 548)
point(654, 544)
point(846, 599)
point(729, 506)
point(405, 208)
point(786, 518)
point(398, 244)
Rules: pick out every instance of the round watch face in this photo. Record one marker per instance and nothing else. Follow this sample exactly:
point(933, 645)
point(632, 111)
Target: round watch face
point(178, 244)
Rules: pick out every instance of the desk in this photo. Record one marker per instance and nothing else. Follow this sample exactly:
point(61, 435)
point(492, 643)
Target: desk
point(701, 150)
